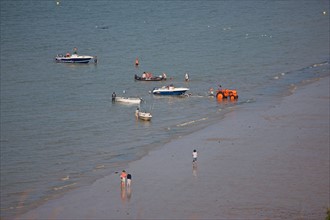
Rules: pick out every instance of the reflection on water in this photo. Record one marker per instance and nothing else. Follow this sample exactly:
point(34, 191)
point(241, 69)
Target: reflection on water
point(194, 168)
point(129, 193)
point(125, 192)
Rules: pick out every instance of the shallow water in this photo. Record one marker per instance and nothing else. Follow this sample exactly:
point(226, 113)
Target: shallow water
point(59, 129)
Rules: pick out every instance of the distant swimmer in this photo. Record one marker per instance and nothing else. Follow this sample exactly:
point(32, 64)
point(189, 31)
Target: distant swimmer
point(136, 62)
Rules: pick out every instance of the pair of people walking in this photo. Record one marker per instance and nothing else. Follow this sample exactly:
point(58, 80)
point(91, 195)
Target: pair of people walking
point(126, 178)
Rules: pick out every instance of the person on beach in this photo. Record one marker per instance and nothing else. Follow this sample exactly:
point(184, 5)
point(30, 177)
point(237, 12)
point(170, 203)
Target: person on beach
point(194, 155)
point(129, 180)
point(123, 177)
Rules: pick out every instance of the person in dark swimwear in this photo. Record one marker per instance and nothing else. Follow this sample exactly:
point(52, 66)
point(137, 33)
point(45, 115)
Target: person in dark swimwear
point(129, 180)
point(114, 97)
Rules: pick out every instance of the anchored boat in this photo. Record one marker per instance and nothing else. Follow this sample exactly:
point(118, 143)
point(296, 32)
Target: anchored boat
point(146, 116)
point(128, 100)
point(74, 58)
point(169, 90)
point(149, 78)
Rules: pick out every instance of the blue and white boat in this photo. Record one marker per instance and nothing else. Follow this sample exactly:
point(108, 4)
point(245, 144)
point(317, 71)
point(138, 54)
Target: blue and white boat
point(73, 58)
point(169, 90)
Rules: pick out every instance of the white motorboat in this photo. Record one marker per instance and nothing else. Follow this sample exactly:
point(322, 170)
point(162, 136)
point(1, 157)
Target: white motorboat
point(73, 58)
point(169, 90)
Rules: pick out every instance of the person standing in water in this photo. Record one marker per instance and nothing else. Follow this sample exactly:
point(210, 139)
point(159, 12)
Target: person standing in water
point(113, 97)
point(186, 77)
point(136, 62)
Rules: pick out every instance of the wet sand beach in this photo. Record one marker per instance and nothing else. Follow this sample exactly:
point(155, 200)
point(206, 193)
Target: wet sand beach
point(262, 161)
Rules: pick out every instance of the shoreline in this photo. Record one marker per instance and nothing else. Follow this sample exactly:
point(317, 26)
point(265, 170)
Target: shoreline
point(268, 162)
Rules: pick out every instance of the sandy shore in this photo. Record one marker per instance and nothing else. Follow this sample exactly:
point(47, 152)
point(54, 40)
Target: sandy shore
point(263, 161)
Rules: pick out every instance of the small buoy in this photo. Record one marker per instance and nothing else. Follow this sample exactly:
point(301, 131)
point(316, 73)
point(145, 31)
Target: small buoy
point(57, 2)
point(324, 12)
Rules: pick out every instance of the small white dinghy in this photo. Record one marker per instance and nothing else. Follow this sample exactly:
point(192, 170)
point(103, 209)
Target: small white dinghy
point(145, 116)
point(128, 100)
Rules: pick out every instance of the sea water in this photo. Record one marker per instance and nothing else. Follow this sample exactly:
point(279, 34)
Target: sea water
point(59, 128)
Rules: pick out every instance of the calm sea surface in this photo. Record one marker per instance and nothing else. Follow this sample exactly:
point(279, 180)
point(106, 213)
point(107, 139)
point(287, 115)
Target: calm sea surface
point(59, 128)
